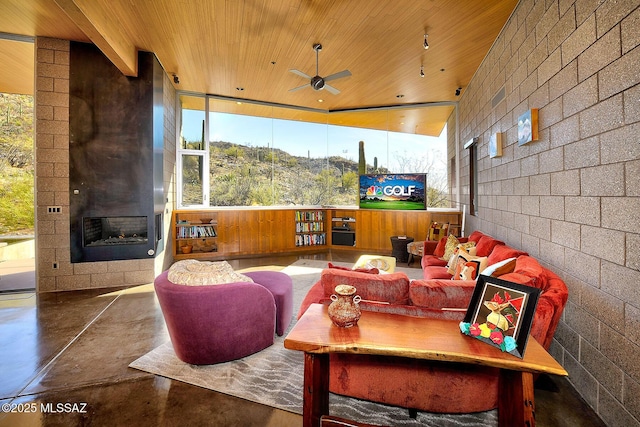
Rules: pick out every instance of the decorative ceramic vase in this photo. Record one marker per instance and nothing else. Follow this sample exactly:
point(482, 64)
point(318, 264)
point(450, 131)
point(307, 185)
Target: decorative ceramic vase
point(344, 310)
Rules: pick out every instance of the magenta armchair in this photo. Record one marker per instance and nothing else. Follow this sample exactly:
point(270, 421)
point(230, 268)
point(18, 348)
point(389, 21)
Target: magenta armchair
point(216, 323)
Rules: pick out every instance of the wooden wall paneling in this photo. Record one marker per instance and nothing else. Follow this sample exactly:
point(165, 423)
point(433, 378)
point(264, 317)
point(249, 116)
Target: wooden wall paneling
point(380, 233)
point(287, 223)
point(396, 225)
point(249, 232)
point(279, 230)
point(228, 232)
point(262, 231)
point(368, 229)
point(387, 221)
point(419, 226)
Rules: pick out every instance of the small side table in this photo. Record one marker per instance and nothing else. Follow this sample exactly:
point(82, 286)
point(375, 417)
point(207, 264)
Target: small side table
point(399, 247)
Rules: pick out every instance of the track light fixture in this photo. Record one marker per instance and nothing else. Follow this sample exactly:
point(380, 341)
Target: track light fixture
point(176, 80)
point(422, 71)
point(426, 43)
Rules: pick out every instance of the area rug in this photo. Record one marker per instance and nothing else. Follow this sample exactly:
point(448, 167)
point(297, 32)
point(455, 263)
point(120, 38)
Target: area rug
point(274, 376)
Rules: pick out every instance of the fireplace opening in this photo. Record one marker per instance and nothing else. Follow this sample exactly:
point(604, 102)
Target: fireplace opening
point(110, 231)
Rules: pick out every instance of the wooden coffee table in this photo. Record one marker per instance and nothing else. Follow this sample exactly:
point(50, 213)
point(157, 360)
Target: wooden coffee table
point(395, 335)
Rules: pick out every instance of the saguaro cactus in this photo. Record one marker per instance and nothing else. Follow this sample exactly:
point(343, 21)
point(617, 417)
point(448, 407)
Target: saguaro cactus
point(362, 163)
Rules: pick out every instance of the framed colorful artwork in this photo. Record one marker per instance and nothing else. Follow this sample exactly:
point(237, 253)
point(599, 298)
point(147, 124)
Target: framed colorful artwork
point(495, 145)
point(500, 313)
point(528, 127)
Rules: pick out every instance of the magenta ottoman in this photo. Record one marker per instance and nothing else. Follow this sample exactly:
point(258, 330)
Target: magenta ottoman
point(281, 286)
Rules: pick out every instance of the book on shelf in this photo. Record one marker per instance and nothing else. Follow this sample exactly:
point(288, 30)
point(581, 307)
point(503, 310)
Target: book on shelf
point(196, 231)
point(309, 215)
point(311, 239)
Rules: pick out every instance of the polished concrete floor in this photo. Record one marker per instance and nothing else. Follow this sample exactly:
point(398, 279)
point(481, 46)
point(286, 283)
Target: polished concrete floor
point(64, 362)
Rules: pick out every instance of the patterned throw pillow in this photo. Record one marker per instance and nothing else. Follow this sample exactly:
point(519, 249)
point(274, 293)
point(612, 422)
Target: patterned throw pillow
point(191, 272)
point(450, 246)
point(468, 266)
point(469, 248)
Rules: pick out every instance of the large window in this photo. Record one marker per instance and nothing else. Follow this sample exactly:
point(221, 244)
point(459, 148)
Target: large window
point(244, 154)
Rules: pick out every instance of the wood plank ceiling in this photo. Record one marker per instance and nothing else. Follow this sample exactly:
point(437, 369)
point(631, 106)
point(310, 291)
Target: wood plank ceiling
point(221, 46)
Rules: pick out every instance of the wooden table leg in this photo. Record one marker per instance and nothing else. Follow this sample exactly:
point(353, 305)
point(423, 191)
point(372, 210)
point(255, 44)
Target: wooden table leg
point(316, 389)
point(515, 399)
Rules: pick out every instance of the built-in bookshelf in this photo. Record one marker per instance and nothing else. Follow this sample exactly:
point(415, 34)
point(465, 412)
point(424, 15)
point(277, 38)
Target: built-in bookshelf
point(343, 228)
point(310, 228)
point(195, 234)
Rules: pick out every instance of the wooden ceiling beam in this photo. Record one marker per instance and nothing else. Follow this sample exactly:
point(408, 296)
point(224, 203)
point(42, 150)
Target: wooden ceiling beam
point(105, 33)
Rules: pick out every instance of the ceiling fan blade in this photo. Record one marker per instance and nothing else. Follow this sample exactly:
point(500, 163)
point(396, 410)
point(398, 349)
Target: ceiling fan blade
point(341, 74)
point(331, 89)
point(300, 73)
point(299, 87)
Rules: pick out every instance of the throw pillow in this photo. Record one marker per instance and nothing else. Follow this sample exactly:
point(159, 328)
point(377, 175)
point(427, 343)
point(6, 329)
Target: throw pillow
point(450, 246)
point(486, 244)
point(468, 266)
point(468, 271)
point(191, 272)
point(499, 268)
point(359, 270)
point(469, 248)
point(440, 247)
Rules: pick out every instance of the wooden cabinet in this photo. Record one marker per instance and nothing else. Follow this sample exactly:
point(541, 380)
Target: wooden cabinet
point(255, 232)
point(343, 228)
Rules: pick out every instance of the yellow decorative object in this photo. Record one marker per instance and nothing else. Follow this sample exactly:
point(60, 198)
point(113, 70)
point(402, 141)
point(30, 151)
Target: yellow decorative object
point(499, 320)
point(385, 264)
point(450, 247)
point(484, 330)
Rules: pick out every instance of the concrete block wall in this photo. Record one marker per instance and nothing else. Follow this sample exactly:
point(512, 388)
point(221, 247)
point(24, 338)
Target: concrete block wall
point(54, 270)
point(572, 198)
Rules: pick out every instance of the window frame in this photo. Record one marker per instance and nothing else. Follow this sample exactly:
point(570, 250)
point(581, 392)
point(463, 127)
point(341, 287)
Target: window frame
point(205, 153)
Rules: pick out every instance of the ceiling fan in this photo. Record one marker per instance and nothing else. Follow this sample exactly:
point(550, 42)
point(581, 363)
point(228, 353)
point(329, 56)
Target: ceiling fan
point(317, 82)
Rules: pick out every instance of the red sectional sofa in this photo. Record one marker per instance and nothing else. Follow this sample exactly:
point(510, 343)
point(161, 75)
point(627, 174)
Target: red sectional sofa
point(425, 385)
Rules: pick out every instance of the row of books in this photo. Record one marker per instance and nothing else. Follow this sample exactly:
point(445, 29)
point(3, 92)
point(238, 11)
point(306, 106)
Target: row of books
point(195, 231)
point(311, 239)
point(309, 215)
point(305, 227)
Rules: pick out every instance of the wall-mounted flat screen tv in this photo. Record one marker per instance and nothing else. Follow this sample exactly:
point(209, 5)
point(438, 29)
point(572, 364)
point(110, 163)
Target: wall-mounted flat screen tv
point(393, 191)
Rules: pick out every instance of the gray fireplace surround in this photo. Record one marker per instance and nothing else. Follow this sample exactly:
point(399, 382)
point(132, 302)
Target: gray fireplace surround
point(115, 157)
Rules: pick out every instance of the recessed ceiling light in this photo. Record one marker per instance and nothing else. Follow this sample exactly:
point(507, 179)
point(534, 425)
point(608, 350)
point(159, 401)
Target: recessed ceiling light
point(320, 100)
point(441, 69)
point(238, 102)
point(400, 96)
point(240, 89)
